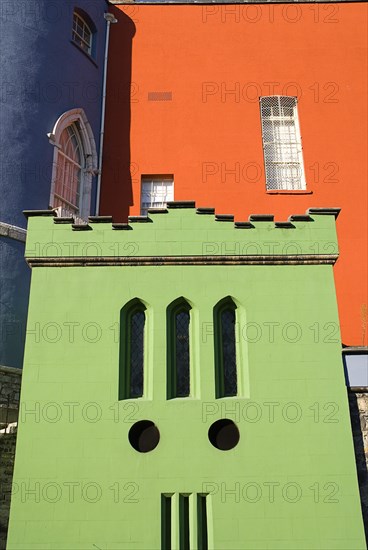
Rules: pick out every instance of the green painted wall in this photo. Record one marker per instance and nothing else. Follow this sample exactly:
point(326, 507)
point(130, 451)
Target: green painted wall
point(290, 483)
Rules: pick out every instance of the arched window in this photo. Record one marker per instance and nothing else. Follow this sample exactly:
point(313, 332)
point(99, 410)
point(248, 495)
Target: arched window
point(75, 164)
point(224, 319)
point(178, 349)
point(83, 31)
point(131, 360)
point(69, 168)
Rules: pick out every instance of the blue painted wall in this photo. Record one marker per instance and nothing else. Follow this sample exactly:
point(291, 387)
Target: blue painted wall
point(43, 75)
point(14, 289)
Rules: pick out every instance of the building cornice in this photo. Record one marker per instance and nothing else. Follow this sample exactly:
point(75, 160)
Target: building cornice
point(10, 370)
point(13, 232)
point(183, 235)
point(138, 261)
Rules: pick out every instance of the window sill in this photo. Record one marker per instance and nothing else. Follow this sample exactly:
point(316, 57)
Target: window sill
point(231, 397)
point(181, 399)
point(88, 56)
point(288, 192)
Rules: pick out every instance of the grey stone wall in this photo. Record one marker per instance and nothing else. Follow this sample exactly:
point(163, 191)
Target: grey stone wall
point(10, 381)
point(13, 232)
point(7, 455)
point(358, 403)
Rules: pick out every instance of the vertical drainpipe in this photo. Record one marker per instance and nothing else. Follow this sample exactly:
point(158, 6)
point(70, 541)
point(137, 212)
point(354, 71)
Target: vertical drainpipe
point(109, 19)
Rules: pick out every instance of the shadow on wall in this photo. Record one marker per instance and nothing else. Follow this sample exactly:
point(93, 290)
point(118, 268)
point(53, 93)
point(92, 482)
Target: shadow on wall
point(116, 188)
point(14, 291)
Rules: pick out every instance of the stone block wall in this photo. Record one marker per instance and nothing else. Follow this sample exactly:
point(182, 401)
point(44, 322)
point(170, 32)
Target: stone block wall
point(358, 403)
point(10, 381)
point(7, 455)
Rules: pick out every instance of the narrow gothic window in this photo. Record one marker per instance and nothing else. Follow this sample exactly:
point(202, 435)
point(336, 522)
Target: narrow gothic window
point(178, 349)
point(182, 353)
point(69, 171)
point(137, 321)
point(225, 348)
point(132, 325)
point(74, 165)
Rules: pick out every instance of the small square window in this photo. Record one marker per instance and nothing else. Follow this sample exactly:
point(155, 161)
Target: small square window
point(156, 191)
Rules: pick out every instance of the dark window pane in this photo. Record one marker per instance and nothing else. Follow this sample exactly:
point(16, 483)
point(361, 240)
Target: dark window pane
point(182, 354)
point(136, 353)
point(184, 522)
point(202, 522)
point(228, 352)
point(165, 522)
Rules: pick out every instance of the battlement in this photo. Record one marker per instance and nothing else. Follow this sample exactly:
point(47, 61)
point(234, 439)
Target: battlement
point(182, 234)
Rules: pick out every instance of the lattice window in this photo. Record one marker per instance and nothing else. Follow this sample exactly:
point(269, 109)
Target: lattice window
point(225, 348)
point(137, 321)
point(229, 350)
point(182, 353)
point(82, 33)
point(156, 192)
point(69, 169)
point(178, 349)
point(74, 165)
point(282, 145)
point(131, 362)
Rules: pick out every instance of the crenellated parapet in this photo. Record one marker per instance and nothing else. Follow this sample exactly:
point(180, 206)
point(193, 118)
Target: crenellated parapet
point(182, 234)
point(193, 343)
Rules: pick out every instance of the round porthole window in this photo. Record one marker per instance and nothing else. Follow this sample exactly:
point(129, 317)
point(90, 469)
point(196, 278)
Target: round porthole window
point(224, 434)
point(144, 436)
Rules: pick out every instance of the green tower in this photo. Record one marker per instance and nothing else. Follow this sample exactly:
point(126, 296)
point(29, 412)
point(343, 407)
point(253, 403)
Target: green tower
point(183, 388)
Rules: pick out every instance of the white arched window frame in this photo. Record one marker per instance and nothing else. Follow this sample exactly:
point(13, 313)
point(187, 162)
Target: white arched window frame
point(77, 121)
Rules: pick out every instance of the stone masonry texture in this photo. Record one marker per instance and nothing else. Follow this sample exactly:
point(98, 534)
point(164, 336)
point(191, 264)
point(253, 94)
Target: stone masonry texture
point(10, 381)
point(7, 454)
point(358, 403)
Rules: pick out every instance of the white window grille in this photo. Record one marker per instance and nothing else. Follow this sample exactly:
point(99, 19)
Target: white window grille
point(156, 191)
point(282, 146)
point(69, 169)
point(82, 33)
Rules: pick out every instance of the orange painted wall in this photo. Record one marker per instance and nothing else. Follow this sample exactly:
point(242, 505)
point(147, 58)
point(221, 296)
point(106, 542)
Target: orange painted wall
point(217, 61)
